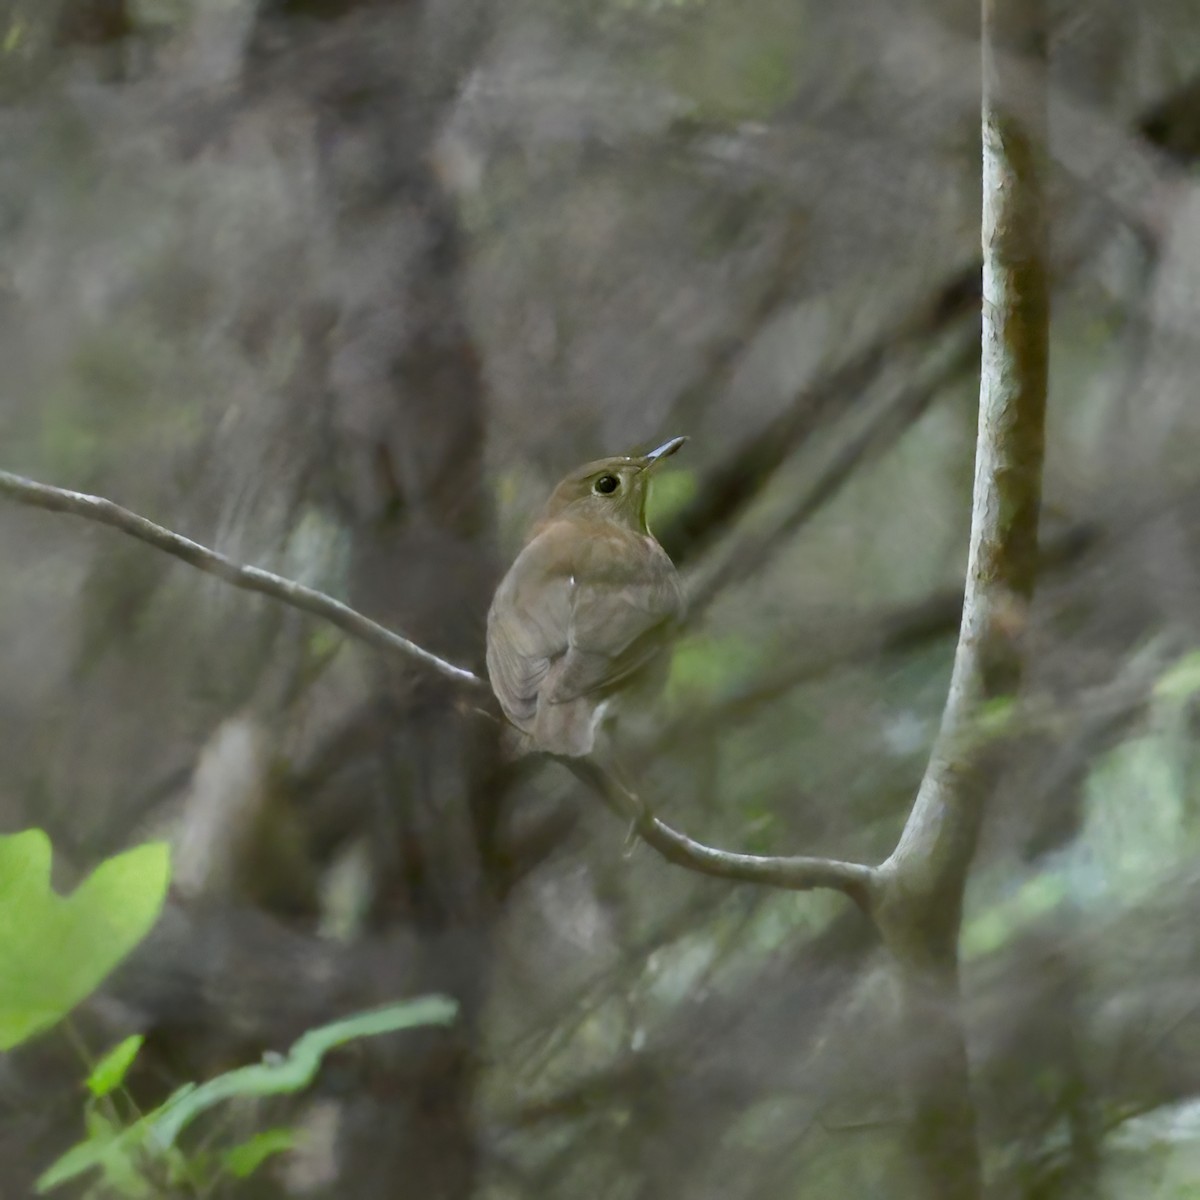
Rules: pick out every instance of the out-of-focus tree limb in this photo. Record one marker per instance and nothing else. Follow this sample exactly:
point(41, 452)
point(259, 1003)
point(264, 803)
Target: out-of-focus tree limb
point(729, 488)
point(958, 353)
point(893, 630)
point(1141, 963)
point(250, 579)
point(726, 491)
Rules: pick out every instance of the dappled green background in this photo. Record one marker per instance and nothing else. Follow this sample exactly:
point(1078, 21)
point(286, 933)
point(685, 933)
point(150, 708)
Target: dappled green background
point(223, 227)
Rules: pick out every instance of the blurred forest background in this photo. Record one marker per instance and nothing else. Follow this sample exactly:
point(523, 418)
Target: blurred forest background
point(341, 288)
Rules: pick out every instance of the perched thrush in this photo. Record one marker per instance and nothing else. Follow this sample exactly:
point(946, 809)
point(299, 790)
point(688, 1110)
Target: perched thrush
point(588, 608)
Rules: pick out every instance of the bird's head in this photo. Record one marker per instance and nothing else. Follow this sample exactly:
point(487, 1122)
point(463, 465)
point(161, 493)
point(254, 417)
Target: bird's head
point(609, 489)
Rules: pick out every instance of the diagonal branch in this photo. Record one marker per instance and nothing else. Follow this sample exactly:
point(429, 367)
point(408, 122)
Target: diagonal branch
point(730, 487)
point(796, 873)
point(250, 579)
point(956, 352)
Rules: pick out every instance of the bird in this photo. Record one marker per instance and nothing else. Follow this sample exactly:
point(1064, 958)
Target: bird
point(587, 610)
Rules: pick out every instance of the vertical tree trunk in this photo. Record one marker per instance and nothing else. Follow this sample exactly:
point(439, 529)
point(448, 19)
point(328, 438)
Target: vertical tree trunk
point(405, 469)
point(920, 899)
point(421, 563)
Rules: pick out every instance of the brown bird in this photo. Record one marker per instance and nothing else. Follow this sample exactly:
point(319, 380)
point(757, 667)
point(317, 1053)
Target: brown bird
point(588, 607)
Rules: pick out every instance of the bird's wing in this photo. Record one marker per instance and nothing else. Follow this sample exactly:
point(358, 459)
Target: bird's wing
point(576, 615)
point(529, 624)
point(621, 612)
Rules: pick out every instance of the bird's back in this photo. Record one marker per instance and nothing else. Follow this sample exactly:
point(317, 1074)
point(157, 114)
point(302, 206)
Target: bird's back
point(584, 612)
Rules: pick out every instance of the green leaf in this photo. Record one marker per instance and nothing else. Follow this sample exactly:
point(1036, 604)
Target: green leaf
point(113, 1151)
point(12, 39)
point(55, 950)
point(298, 1069)
point(242, 1161)
point(190, 1174)
point(108, 1148)
point(109, 1073)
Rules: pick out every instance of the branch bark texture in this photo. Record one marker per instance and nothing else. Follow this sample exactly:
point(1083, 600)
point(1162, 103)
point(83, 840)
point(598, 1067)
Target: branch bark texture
point(935, 849)
point(920, 887)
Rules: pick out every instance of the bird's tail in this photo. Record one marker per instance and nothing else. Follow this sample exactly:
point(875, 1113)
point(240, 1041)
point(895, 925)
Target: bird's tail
point(569, 728)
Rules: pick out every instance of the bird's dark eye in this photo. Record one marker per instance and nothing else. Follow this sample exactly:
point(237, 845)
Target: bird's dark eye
point(607, 484)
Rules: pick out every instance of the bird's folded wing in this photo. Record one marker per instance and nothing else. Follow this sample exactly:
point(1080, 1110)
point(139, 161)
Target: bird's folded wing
point(528, 630)
point(616, 627)
point(577, 615)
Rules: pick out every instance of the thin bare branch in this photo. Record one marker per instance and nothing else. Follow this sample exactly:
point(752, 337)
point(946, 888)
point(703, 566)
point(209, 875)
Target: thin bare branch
point(790, 872)
point(250, 579)
point(795, 873)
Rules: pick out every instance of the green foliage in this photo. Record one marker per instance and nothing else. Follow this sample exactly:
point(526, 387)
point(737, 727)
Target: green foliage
point(106, 398)
point(1140, 818)
point(107, 1148)
point(55, 950)
point(14, 35)
point(996, 717)
point(161, 14)
point(1155, 1155)
point(299, 1068)
point(243, 1160)
point(128, 1156)
point(109, 1073)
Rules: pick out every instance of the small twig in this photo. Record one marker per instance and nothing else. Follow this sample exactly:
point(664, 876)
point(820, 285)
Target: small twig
point(791, 873)
point(250, 579)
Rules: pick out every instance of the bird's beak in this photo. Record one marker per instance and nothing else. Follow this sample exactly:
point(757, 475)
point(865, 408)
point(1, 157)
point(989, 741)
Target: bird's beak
point(664, 451)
